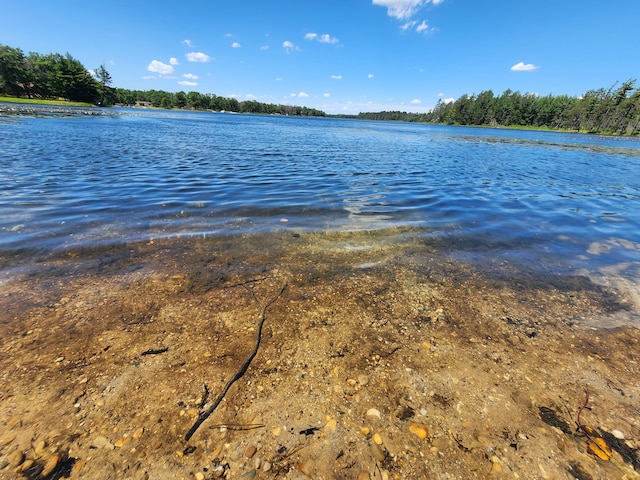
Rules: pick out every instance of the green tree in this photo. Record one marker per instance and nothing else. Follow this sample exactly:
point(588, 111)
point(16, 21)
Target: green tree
point(104, 77)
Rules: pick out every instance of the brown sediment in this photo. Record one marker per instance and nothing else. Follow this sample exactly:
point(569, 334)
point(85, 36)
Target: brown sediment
point(384, 355)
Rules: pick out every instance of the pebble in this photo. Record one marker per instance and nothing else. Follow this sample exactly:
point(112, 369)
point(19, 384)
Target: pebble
point(199, 476)
point(16, 458)
point(50, 465)
point(364, 475)
point(377, 439)
point(419, 430)
point(378, 452)
point(250, 475)
point(138, 433)
point(7, 439)
point(618, 434)
point(39, 448)
point(250, 451)
point(373, 412)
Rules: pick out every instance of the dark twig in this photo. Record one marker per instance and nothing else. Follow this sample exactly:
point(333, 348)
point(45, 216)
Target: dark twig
point(238, 426)
point(243, 368)
point(205, 396)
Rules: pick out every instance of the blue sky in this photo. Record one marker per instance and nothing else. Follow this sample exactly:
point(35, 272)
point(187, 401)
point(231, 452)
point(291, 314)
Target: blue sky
point(341, 56)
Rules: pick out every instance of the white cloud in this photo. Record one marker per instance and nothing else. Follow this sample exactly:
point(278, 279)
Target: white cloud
point(370, 75)
point(409, 25)
point(173, 61)
point(336, 77)
point(250, 96)
point(326, 38)
point(448, 100)
point(303, 95)
point(327, 95)
point(422, 27)
point(264, 48)
point(404, 9)
point(91, 72)
point(524, 67)
point(235, 45)
point(416, 101)
point(190, 76)
point(187, 83)
point(198, 57)
point(148, 77)
point(187, 42)
point(288, 46)
point(161, 68)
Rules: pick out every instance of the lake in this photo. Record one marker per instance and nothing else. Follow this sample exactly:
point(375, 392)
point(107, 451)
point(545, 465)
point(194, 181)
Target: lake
point(74, 178)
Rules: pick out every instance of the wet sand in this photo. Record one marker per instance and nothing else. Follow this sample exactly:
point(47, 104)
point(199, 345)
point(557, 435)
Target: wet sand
point(383, 357)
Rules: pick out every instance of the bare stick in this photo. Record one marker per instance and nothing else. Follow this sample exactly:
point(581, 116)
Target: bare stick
point(242, 370)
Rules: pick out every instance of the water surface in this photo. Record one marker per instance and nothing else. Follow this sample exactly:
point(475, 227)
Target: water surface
point(74, 178)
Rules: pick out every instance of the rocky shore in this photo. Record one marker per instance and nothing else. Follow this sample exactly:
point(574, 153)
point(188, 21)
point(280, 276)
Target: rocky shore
point(381, 357)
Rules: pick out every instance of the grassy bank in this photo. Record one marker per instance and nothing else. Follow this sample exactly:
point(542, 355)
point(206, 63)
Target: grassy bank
point(38, 101)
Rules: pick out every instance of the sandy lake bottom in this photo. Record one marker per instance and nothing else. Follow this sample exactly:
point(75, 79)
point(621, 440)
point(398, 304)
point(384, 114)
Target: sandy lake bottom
point(381, 357)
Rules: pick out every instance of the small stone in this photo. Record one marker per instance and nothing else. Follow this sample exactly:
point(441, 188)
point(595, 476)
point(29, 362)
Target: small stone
point(378, 452)
point(250, 475)
point(50, 466)
point(618, 434)
point(199, 476)
point(7, 439)
point(102, 442)
point(26, 465)
point(257, 463)
point(39, 448)
point(266, 466)
point(377, 439)
point(419, 430)
point(364, 475)
point(138, 433)
point(365, 430)
point(16, 458)
point(121, 441)
point(250, 451)
point(496, 467)
point(373, 412)
point(193, 412)
point(331, 426)
point(276, 431)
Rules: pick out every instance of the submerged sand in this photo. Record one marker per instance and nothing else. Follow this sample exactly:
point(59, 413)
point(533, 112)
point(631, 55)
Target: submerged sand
point(383, 357)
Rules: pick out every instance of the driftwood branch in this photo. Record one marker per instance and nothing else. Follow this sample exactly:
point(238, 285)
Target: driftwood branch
point(243, 368)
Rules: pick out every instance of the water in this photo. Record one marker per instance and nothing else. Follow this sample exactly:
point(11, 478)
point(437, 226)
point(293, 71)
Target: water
point(69, 179)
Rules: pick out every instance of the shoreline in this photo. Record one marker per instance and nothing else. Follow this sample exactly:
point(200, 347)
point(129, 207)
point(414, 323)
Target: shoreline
point(384, 355)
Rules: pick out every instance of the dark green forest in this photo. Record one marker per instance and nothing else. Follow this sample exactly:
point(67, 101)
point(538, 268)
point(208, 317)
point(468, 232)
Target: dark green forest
point(56, 76)
point(615, 110)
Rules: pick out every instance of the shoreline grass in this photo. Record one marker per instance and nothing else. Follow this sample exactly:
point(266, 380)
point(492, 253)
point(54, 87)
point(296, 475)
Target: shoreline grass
point(39, 101)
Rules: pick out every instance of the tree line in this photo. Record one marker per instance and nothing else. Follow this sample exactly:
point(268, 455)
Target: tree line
point(56, 76)
point(615, 110)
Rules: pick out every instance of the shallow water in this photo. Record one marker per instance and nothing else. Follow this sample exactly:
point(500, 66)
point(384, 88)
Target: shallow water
point(77, 178)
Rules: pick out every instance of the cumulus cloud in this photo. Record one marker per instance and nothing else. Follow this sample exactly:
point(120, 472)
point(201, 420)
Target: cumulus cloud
point(198, 57)
point(416, 101)
point(300, 95)
point(327, 95)
point(173, 61)
point(187, 83)
point(160, 68)
point(324, 38)
point(336, 77)
point(288, 46)
point(448, 100)
point(404, 9)
point(370, 75)
point(187, 42)
point(190, 76)
point(235, 45)
point(524, 67)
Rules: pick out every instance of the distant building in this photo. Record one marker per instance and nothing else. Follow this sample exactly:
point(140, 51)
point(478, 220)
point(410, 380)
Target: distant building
point(143, 103)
